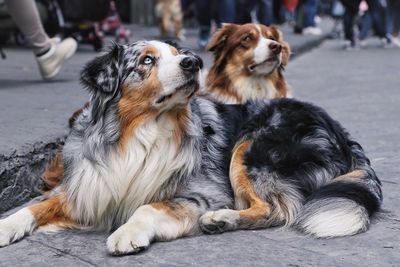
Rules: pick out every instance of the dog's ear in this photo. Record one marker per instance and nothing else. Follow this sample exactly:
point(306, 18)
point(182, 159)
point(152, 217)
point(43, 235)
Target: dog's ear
point(101, 74)
point(101, 78)
point(285, 46)
point(219, 38)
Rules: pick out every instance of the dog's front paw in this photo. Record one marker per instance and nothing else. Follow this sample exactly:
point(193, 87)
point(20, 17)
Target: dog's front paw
point(14, 227)
point(128, 239)
point(219, 221)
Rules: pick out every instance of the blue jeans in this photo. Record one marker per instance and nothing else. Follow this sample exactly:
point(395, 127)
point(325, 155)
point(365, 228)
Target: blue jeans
point(366, 24)
point(310, 11)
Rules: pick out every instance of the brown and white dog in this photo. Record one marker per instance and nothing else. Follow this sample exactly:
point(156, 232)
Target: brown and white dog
point(248, 63)
point(171, 17)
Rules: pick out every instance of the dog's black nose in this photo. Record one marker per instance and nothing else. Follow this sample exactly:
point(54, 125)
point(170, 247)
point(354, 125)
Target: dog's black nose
point(275, 48)
point(191, 64)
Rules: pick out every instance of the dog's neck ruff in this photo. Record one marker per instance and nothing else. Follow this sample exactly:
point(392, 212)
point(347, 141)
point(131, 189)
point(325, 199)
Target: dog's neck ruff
point(146, 170)
point(254, 87)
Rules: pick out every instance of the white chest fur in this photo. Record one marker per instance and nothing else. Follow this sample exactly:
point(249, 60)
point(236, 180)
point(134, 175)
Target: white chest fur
point(109, 194)
point(254, 87)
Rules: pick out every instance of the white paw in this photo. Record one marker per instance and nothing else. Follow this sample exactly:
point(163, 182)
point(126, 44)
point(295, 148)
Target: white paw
point(14, 227)
point(128, 239)
point(219, 221)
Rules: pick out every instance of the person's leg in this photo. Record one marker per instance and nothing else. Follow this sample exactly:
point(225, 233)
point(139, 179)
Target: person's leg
point(365, 26)
point(226, 10)
point(351, 9)
point(396, 17)
point(389, 13)
point(243, 10)
point(203, 16)
point(377, 15)
point(310, 11)
point(26, 16)
point(265, 12)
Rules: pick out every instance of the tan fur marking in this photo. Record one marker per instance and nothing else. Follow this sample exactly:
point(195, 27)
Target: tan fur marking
point(174, 210)
point(353, 175)
point(259, 209)
point(174, 51)
point(180, 117)
point(134, 106)
point(150, 51)
point(55, 211)
point(54, 171)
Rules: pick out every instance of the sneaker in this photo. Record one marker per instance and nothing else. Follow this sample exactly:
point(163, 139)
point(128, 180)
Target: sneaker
point(312, 31)
point(363, 43)
point(396, 41)
point(385, 42)
point(51, 62)
point(349, 46)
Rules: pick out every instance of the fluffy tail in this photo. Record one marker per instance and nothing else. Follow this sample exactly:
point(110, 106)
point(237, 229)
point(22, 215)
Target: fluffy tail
point(344, 206)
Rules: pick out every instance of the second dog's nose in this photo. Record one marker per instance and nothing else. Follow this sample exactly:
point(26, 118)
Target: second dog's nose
point(191, 64)
point(275, 48)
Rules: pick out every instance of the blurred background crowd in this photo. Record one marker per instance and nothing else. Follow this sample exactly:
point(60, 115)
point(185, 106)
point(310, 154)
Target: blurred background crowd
point(54, 27)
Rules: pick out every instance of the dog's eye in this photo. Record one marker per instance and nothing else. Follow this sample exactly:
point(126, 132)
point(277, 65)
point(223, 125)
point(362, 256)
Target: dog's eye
point(246, 38)
point(148, 60)
point(272, 38)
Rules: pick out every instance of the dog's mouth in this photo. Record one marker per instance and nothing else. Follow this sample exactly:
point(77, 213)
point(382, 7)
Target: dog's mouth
point(189, 88)
point(269, 60)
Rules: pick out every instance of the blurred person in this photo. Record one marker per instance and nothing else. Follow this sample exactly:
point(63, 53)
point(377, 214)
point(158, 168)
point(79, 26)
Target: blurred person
point(225, 13)
point(376, 11)
point(264, 11)
point(306, 16)
point(393, 25)
point(50, 54)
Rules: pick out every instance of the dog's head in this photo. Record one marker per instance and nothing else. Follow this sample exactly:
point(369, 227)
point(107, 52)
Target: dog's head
point(253, 49)
point(146, 77)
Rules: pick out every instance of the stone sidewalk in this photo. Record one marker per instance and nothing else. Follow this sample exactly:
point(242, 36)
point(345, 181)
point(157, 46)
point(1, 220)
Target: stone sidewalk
point(360, 89)
point(34, 114)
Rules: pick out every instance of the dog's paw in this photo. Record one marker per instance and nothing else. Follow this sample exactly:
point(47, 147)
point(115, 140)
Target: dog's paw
point(128, 239)
point(14, 227)
point(219, 221)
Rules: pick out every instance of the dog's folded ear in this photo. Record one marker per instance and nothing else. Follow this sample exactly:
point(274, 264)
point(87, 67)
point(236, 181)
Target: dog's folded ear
point(219, 38)
point(285, 46)
point(101, 74)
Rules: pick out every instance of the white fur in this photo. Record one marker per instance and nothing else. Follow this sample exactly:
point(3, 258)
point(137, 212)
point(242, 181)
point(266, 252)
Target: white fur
point(15, 226)
point(169, 70)
point(229, 217)
point(146, 224)
point(255, 87)
point(110, 194)
point(338, 217)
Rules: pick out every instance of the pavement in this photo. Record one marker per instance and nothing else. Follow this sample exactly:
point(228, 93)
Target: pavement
point(358, 88)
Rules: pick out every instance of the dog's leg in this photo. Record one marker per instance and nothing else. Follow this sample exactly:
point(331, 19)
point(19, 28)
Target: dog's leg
point(255, 210)
point(165, 24)
point(160, 221)
point(178, 21)
point(53, 211)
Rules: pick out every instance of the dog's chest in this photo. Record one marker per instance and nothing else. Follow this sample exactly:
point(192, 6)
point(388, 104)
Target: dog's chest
point(249, 88)
point(132, 177)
